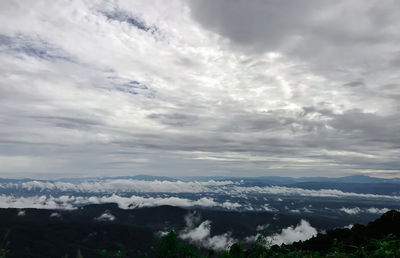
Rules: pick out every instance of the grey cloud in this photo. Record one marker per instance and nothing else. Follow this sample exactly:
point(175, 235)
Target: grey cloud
point(128, 102)
point(262, 24)
point(354, 84)
point(69, 122)
point(37, 48)
point(268, 24)
point(115, 13)
point(341, 39)
point(134, 87)
point(395, 61)
point(175, 119)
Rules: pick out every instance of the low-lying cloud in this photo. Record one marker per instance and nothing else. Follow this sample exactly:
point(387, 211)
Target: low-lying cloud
point(201, 234)
point(294, 191)
point(132, 202)
point(106, 216)
point(301, 232)
point(120, 185)
point(227, 187)
point(357, 210)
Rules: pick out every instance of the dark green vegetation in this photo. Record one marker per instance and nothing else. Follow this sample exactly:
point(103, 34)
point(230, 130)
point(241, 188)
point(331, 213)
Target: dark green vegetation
point(131, 234)
point(389, 246)
point(380, 238)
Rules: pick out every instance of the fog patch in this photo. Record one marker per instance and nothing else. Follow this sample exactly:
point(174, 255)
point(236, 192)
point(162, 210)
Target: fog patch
point(351, 211)
point(262, 227)
point(106, 216)
point(201, 234)
point(374, 210)
point(55, 215)
point(289, 235)
point(350, 226)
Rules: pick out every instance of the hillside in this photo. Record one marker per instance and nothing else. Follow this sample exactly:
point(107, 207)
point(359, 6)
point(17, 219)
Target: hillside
point(132, 233)
point(380, 238)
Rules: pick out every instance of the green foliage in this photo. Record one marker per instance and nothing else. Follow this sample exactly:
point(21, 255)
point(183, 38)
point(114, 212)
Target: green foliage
point(169, 246)
point(236, 251)
point(3, 245)
point(388, 246)
point(3, 253)
point(380, 238)
point(106, 254)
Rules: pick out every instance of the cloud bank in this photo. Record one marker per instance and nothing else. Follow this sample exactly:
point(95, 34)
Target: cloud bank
point(357, 210)
point(132, 202)
point(120, 185)
point(110, 186)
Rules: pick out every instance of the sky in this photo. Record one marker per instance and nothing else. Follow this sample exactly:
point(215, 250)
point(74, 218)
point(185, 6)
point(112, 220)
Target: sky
point(199, 87)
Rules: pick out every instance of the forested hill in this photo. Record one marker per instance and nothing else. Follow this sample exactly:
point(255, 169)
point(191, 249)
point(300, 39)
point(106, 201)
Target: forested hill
point(44, 233)
point(380, 238)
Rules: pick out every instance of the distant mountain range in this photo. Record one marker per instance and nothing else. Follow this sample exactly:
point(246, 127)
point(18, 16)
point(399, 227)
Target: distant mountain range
point(276, 180)
point(291, 180)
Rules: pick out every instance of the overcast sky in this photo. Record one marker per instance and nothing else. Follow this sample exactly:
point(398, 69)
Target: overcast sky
point(200, 87)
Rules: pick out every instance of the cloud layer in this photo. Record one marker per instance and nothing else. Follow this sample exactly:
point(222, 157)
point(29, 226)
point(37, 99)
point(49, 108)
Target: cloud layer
point(131, 202)
point(215, 188)
point(199, 87)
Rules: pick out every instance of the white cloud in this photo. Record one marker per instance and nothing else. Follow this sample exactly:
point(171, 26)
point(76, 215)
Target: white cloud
point(293, 191)
point(198, 233)
point(374, 210)
point(231, 205)
point(132, 202)
point(357, 210)
point(21, 213)
point(139, 202)
point(201, 234)
point(351, 211)
point(350, 226)
point(106, 216)
point(38, 202)
point(156, 186)
point(268, 207)
point(123, 185)
point(302, 231)
point(55, 215)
